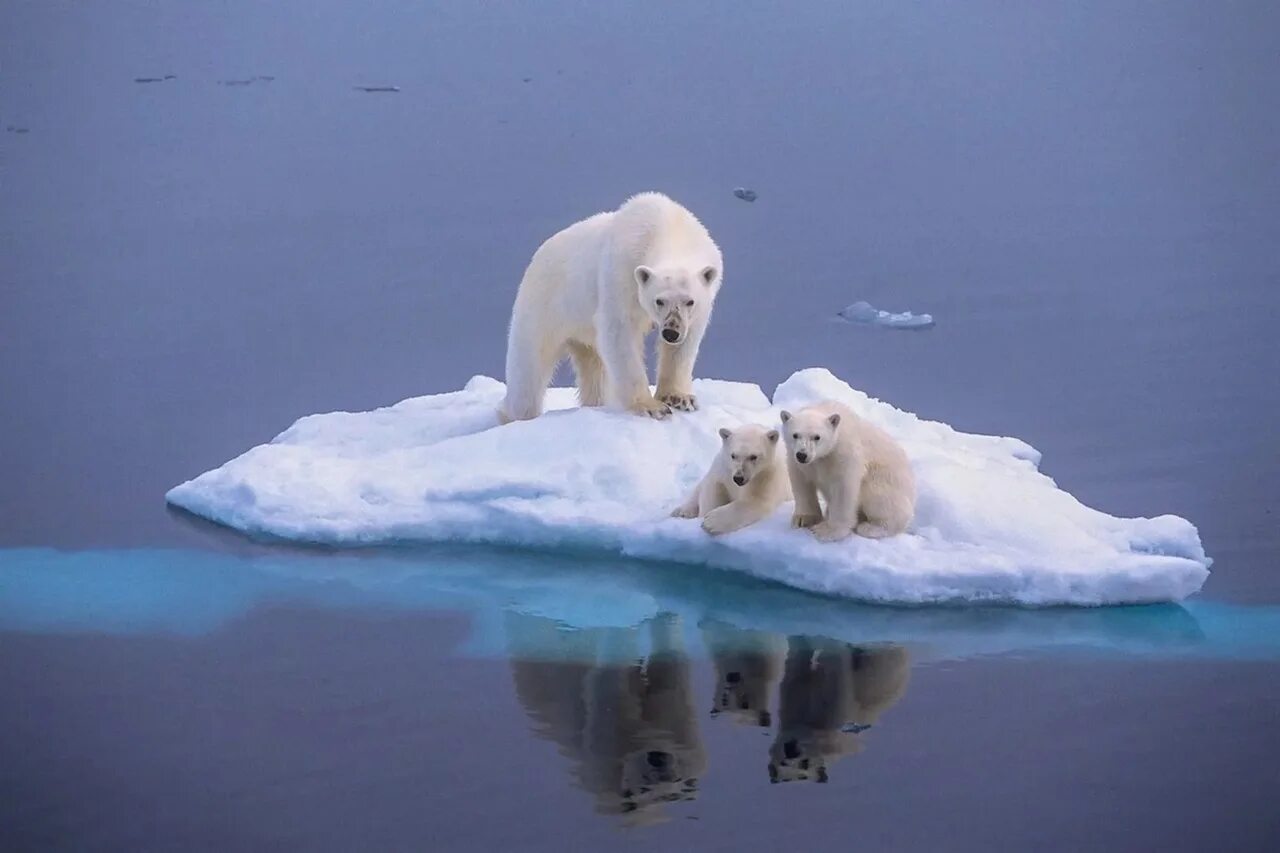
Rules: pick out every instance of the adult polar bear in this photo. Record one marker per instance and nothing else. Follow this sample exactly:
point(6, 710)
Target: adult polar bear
point(594, 290)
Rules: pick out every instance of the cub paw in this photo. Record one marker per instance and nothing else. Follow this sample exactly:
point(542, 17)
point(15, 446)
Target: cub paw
point(827, 532)
point(800, 519)
point(684, 512)
point(680, 402)
point(717, 523)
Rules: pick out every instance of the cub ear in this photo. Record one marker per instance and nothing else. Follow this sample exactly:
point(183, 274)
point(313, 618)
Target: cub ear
point(834, 420)
point(643, 275)
point(786, 416)
point(725, 433)
point(709, 275)
point(772, 435)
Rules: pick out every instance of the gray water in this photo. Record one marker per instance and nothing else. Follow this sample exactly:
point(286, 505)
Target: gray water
point(1085, 196)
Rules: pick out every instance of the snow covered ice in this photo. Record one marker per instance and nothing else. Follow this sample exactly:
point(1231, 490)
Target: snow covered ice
point(989, 526)
point(865, 312)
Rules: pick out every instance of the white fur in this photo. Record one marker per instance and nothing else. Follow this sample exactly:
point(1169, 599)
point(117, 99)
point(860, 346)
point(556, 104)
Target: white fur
point(861, 473)
point(748, 453)
point(592, 292)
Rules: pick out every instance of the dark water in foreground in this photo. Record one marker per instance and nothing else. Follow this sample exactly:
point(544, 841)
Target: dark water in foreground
point(1085, 196)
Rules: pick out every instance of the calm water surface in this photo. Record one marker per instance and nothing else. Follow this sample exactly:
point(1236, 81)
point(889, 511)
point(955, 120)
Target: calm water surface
point(1086, 196)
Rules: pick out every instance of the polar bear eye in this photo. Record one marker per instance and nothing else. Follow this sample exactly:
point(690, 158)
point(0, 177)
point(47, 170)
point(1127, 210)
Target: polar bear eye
point(817, 438)
point(752, 458)
point(661, 303)
point(733, 456)
point(796, 436)
point(689, 304)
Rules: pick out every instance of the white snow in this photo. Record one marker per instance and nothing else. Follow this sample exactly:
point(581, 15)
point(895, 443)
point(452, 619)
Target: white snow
point(989, 526)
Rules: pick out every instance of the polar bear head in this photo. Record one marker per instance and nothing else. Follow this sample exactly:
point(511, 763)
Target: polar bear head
point(677, 299)
point(810, 434)
point(747, 450)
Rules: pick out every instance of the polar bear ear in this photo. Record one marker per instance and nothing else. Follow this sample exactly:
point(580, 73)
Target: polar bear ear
point(725, 433)
point(786, 416)
point(709, 275)
point(772, 435)
point(643, 275)
point(834, 420)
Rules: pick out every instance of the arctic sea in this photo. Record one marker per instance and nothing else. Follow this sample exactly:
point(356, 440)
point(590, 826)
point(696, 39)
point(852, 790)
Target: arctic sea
point(1084, 197)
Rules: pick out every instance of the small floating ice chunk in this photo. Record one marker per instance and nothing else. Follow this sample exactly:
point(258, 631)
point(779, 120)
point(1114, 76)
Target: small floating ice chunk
point(155, 79)
point(378, 88)
point(745, 194)
point(248, 81)
point(864, 312)
point(14, 129)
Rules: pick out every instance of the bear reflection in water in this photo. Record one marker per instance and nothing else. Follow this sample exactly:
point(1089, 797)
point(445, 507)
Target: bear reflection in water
point(831, 692)
point(621, 714)
point(619, 705)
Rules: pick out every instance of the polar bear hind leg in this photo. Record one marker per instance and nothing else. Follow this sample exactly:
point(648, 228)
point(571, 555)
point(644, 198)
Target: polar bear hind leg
point(884, 509)
point(531, 362)
point(590, 373)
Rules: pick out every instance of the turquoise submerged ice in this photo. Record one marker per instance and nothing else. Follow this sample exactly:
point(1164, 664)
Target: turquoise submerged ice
point(989, 526)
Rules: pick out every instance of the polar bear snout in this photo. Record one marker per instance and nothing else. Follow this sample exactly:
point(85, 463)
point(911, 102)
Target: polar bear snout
point(739, 479)
point(802, 457)
point(671, 335)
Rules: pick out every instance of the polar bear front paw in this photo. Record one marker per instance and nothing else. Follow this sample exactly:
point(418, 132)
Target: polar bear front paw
point(684, 512)
point(800, 519)
point(680, 402)
point(720, 521)
point(655, 409)
point(828, 532)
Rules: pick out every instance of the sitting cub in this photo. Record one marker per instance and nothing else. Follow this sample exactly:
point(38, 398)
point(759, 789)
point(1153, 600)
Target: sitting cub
point(745, 484)
point(860, 471)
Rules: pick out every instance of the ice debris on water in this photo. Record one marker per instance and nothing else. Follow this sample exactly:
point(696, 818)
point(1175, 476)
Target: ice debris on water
point(745, 194)
point(864, 312)
point(155, 79)
point(378, 88)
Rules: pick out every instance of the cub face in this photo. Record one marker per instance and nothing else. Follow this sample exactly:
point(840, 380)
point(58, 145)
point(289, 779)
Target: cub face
point(676, 299)
point(809, 434)
point(747, 450)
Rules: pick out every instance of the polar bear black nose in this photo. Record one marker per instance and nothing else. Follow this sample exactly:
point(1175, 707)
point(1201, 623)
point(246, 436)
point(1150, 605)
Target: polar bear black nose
point(658, 759)
point(670, 335)
point(801, 456)
point(791, 749)
point(739, 479)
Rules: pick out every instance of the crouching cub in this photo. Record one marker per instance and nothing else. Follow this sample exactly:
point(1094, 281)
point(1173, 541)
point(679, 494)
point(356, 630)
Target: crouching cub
point(861, 473)
point(745, 484)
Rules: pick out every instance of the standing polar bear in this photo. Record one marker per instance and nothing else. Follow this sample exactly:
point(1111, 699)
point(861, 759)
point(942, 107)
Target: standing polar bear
point(595, 290)
point(861, 472)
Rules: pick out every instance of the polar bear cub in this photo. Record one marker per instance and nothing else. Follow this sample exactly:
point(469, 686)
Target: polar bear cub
point(595, 290)
point(857, 468)
point(745, 484)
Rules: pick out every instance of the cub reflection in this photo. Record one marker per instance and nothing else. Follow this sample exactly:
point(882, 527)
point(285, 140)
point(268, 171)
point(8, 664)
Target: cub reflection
point(623, 715)
point(831, 691)
point(748, 665)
